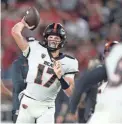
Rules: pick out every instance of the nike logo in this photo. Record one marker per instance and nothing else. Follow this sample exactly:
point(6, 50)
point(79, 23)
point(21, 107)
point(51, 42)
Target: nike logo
point(62, 64)
point(50, 107)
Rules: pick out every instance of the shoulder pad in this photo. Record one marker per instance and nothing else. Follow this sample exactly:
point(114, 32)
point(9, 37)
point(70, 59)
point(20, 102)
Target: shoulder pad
point(68, 56)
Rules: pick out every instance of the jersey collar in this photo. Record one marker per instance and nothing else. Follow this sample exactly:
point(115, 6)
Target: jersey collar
point(61, 56)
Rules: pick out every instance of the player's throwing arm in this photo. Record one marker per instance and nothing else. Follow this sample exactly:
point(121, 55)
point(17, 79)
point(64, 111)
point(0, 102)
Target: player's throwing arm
point(31, 21)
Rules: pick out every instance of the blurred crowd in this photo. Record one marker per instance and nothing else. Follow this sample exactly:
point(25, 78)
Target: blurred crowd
point(89, 25)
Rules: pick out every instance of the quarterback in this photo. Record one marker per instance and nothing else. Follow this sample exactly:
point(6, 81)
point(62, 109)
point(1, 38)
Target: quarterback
point(49, 70)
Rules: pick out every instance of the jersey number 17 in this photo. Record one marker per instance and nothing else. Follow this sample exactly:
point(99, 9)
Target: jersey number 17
point(39, 76)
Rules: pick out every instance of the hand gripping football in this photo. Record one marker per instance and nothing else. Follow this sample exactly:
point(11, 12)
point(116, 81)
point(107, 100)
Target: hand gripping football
point(32, 17)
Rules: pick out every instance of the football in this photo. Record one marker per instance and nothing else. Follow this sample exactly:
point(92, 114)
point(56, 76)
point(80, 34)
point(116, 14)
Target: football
point(32, 17)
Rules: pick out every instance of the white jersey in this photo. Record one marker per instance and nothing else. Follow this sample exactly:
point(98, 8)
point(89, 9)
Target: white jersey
point(109, 107)
point(112, 61)
point(42, 83)
point(109, 103)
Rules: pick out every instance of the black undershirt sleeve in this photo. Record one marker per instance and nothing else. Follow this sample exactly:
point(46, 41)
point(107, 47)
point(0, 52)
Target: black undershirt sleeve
point(90, 79)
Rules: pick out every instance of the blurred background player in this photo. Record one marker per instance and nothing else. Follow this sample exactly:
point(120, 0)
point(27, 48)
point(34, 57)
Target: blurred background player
point(48, 70)
point(61, 99)
point(90, 79)
point(19, 73)
point(87, 102)
point(109, 103)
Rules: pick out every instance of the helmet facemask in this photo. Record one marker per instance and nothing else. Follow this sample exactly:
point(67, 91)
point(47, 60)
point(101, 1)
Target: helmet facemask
point(53, 45)
point(58, 31)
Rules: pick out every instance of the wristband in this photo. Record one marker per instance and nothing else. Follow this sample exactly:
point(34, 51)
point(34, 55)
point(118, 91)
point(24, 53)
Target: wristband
point(64, 84)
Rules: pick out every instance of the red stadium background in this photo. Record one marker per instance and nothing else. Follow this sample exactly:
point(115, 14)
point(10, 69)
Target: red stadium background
point(88, 23)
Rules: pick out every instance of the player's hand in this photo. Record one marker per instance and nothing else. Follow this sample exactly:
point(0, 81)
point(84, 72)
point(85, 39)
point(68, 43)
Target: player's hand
point(26, 25)
point(71, 118)
point(57, 68)
point(59, 119)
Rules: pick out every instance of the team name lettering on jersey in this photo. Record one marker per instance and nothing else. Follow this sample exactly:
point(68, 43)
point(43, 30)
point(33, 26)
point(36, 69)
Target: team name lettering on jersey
point(48, 63)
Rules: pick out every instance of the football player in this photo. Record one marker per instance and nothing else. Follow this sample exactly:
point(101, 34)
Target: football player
point(109, 100)
point(19, 73)
point(49, 70)
point(89, 80)
point(109, 108)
